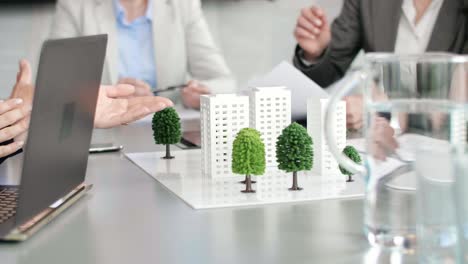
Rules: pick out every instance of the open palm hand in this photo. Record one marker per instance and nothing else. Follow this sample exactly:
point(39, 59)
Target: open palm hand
point(117, 105)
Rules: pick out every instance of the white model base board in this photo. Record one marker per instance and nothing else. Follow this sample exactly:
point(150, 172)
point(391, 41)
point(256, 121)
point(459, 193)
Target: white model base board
point(184, 178)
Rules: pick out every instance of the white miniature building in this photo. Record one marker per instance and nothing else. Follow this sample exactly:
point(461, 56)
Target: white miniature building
point(458, 129)
point(270, 113)
point(222, 117)
point(324, 162)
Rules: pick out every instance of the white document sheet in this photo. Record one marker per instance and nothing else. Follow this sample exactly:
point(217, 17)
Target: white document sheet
point(411, 145)
point(384, 168)
point(187, 114)
point(300, 85)
point(184, 114)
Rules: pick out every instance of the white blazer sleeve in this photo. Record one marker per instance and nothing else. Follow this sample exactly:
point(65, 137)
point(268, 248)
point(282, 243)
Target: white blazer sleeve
point(66, 20)
point(205, 61)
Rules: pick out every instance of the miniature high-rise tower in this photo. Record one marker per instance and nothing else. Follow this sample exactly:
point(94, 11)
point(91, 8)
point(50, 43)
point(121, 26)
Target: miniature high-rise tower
point(270, 113)
point(324, 162)
point(222, 117)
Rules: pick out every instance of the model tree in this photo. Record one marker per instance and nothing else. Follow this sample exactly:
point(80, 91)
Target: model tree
point(166, 129)
point(353, 154)
point(294, 151)
point(248, 156)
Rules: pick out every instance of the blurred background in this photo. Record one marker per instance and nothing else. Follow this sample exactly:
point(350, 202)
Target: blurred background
point(254, 35)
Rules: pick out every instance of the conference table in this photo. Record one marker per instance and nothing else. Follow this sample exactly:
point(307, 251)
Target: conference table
point(130, 218)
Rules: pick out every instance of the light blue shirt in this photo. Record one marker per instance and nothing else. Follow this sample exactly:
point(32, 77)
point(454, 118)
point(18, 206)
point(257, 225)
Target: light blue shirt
point(135, 41)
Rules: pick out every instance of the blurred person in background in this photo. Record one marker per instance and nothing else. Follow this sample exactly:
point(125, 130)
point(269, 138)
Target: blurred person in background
point(153, 45)
point(325, 52)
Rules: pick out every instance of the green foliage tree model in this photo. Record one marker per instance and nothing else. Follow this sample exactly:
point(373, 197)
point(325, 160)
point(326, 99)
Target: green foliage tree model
point(248, 156)
point(353, 154)
point(166, 129)
point(294, 151)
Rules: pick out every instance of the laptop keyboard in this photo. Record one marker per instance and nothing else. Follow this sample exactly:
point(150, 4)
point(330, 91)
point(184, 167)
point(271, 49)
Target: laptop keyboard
point(8, 202)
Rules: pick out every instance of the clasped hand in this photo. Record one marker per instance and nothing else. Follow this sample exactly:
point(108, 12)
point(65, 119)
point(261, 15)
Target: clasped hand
point(312, 32)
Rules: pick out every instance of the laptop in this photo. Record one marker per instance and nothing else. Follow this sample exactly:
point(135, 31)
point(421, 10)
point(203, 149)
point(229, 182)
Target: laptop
point(56, 152)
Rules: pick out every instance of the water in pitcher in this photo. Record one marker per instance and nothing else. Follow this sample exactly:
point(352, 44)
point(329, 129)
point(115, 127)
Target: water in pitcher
point(460, 161)
point(436, 218)
point(419, 126)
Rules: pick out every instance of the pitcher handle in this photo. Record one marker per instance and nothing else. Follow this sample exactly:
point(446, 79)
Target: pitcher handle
point(351, 82)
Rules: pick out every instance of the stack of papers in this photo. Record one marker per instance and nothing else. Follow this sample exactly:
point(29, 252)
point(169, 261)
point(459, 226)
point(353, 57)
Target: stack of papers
point(301, 86)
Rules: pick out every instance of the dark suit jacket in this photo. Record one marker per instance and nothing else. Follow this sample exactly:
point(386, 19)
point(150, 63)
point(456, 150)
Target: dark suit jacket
point(372, 25)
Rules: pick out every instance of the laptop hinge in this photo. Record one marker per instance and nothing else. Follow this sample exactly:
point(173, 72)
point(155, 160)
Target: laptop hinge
point(27, 229)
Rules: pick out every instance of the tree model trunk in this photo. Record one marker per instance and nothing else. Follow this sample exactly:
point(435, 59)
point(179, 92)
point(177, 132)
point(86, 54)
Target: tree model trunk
point(350, 178)
point(295, 186)
point(245, 181)
point(168, 152)
point(248, 185)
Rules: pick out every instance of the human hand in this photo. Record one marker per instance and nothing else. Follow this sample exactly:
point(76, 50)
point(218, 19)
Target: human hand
point(354, 111)
point(14, 122)
point(191, 94)
point(439, 120)
point(312, 32)
point(384, 141)
point(24, 90)
point(141, 87)
point(117, 105)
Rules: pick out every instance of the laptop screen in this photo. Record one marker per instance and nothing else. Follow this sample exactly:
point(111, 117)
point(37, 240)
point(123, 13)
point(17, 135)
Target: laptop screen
point(56, 152)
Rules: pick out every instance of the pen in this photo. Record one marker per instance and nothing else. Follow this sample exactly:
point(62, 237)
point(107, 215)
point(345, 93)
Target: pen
point(170, 88)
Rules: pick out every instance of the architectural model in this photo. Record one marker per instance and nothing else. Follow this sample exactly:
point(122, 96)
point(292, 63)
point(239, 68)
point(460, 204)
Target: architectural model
point(166, 129)
point(248, 156)
point(190, 185)
point(458, 130)
point(270, 113)
point(222, 117)
point(294, 151)
point(324, 162)
point(353, 154)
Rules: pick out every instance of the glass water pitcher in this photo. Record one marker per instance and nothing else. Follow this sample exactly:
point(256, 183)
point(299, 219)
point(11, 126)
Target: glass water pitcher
point(412, 104)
